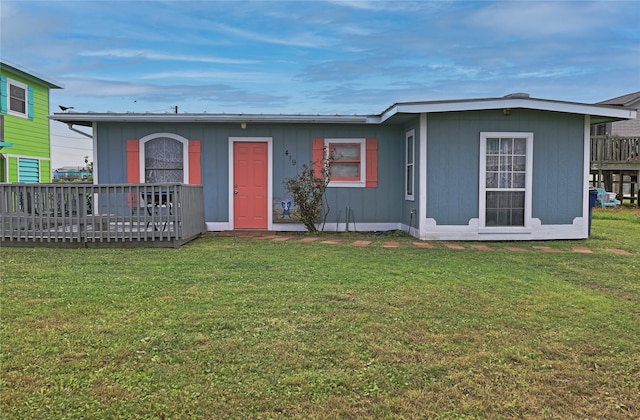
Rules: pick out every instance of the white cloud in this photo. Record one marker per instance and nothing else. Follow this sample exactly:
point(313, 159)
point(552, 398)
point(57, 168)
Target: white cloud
point(150, 55)
point(306, 39)
point(544, 19)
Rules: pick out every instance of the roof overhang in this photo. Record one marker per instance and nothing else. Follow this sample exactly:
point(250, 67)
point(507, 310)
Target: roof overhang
point(396, 114)
point(30, 75)
point(598, 113)
point(87, 119)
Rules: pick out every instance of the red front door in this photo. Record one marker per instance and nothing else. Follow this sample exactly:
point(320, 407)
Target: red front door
point(250, 177)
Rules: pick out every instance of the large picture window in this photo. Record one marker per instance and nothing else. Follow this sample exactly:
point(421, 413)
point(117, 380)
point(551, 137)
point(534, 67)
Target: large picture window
point(505, 179)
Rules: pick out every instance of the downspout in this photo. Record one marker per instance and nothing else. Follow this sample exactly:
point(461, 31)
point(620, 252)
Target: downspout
point(95, 165)
point(70, 125)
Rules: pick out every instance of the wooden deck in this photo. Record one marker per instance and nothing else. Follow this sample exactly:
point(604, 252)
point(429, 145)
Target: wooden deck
point(86, 215)
point(615, 165)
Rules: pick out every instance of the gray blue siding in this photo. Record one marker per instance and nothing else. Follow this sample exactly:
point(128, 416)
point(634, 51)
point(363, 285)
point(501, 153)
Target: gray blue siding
point(453, 162)
point(367, 205)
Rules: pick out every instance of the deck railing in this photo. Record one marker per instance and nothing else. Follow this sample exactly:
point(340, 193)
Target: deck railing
point(148, 214)
point(614, 149)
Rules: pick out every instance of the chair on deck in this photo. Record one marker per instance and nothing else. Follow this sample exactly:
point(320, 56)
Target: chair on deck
point(606, 200)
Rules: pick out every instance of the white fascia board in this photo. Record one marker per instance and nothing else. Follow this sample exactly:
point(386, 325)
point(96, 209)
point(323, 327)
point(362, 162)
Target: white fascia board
point(80, 118)
point(400, 108)
point(513, 103)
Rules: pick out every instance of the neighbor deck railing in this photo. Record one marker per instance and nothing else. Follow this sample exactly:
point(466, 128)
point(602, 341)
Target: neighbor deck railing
point(159, 214)
point(614, 149)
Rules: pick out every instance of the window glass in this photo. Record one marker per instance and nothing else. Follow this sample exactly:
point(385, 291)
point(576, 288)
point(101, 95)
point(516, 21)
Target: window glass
point(345, 161)
point(163, 161)
point(409, 177)
point(344, 170)
point(345, 152)
point(493, 146)
point(505, 181)
point(17, 98)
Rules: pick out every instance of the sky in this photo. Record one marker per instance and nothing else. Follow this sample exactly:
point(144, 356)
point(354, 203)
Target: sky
point(314, 57)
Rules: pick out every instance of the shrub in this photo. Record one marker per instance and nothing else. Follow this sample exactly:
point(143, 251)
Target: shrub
point(307, 190)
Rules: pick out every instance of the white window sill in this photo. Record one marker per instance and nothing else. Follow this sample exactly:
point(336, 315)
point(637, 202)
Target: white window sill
point(17, 114)
point(346, 184)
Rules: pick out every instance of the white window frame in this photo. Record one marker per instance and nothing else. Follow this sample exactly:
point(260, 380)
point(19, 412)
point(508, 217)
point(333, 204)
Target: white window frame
point(26, 98)
point(362, 182)
point(409, 174)
point(483, 181)
point(185, 154)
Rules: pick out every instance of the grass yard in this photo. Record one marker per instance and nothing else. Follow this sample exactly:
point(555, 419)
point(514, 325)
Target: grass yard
point(242, 328)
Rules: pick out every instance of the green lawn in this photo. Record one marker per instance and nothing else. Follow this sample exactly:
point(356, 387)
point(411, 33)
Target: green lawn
point(246, 328)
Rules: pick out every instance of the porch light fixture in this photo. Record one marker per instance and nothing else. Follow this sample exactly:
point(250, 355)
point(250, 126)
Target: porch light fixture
point(506, 112)
point(243, 125)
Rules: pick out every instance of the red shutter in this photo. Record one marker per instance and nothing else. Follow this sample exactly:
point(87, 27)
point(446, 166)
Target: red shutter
point(372, 163)
point(317, 156)
point(133, 161)
point(195, 170)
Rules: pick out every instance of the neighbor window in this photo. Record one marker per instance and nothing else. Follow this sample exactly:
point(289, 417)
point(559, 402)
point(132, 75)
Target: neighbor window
point(505, 179)
point(347, 161)
point(409, 164)
point(17, 95)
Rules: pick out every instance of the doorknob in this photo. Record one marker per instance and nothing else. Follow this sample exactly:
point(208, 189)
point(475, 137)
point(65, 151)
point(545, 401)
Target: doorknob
point(235, 191)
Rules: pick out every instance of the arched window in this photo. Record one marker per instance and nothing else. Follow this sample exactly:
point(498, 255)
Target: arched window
point(163, 160)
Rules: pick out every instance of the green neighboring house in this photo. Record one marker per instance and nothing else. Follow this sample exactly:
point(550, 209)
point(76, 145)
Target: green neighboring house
point(25, 141)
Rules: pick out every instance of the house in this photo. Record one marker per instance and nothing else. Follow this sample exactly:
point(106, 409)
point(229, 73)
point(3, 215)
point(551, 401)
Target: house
point(72, 173)
point(615, 151)
point(508, 168)
point(25, 152)
point(626, 128)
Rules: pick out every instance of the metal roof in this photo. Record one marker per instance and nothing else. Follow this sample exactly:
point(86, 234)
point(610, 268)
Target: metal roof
point(514, 101)
point(87, 119)
point(398, 113)
point(29, 74)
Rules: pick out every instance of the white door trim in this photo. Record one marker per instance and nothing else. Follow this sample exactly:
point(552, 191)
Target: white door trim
point(269, 141)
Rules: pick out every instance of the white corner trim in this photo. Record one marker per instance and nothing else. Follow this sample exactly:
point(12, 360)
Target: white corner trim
point(422, 178)
point(94, 140)
point(586, 167)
